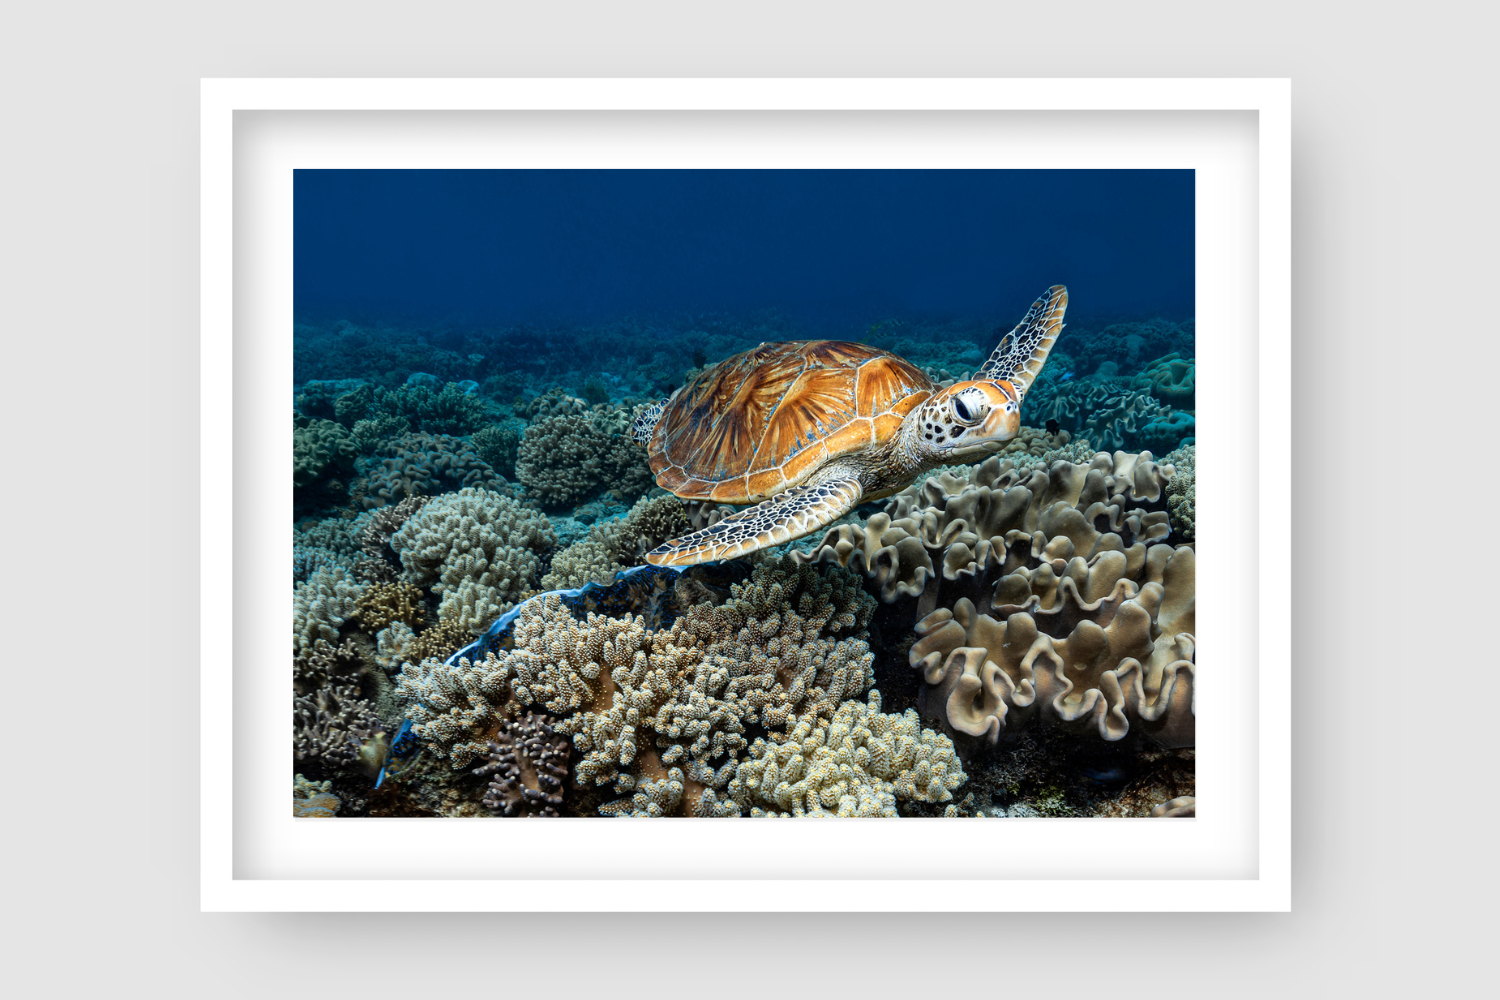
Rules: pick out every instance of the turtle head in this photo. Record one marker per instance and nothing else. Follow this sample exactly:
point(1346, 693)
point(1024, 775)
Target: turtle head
point(966, 418)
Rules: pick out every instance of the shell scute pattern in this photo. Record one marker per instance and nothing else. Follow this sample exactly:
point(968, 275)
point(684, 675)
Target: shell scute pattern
point(764, 421)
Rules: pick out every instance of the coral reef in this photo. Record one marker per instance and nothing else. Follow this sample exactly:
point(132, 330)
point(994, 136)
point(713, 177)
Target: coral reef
point(329, 727)
point(1182, 494)
point(479, 551)
point(313, 799)
point(568, 458)
point(528, 763)
point(857, 763)
point(450, 410)
point(1171, 379)
point(498, 445)
point(1008, 639)
point(320, 607)
point(611, 546)
point(423, 465)
point(321, 450)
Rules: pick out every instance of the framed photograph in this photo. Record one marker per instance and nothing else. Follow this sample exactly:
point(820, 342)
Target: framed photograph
point(714, 451)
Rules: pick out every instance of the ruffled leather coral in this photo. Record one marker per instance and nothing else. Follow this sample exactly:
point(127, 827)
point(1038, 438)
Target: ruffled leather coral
point(1009, 536)
point(1171, 379)
point(1106, 662)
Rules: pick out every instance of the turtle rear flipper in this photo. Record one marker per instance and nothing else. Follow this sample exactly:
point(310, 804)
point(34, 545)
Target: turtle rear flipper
point(781, 519)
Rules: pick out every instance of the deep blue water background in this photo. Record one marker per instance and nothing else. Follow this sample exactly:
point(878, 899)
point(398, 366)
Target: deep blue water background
point(827, 249)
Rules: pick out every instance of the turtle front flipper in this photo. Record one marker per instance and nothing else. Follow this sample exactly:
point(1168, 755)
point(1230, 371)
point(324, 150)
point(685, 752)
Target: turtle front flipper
point(783, 518)
point(1022, 352)
point(644, 425)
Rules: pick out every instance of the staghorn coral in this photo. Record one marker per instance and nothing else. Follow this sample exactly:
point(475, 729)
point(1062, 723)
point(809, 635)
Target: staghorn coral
point(321, 605)
point(1108, 665)
point(321, 449)
point(380, 604)
point(479, 551)
point(329, 727)
point(1001, 535)
point(528, 764)
point(859, 762)
point(413, 465)
point(313, 799)
point(567, 458)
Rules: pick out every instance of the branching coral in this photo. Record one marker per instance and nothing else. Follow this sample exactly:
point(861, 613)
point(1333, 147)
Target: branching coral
point(320, 606)
point(857, 763)
point(567, 458)
point(315, 666)
point(528, 763)
point(329, 727)
point(662, 715)
point(383, 603)
point(450, 410)
point(423, 465)
point(1182, 491)
point(320, 449)
point(610, 546)
point(497, 445)
point(479, 551)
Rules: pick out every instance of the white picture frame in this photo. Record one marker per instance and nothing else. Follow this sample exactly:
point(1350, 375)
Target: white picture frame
point(1234, 856)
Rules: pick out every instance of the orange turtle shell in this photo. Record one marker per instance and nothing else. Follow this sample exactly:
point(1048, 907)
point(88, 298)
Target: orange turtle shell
point(764, 420)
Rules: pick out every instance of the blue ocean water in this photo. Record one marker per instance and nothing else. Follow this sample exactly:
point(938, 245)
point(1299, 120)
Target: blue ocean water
point(825, 247)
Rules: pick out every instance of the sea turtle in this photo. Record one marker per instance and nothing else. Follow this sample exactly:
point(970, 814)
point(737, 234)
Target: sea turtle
point(808, 430)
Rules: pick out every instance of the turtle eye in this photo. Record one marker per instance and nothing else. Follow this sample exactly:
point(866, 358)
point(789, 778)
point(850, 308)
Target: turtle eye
point(968, 411)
